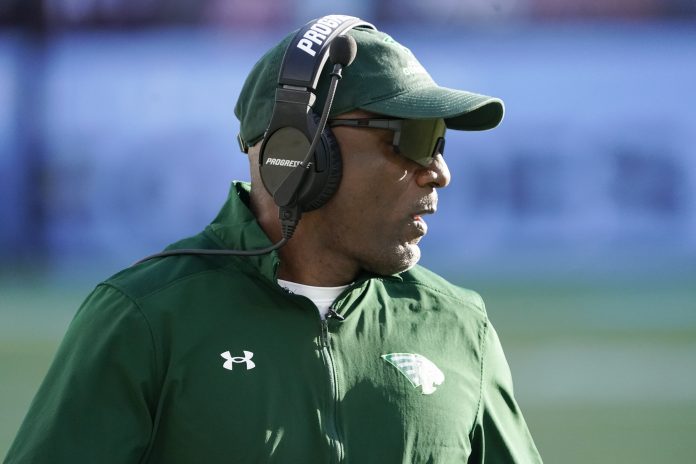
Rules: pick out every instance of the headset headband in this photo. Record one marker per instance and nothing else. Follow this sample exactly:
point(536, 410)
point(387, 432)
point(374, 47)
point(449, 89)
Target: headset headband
point(305, 56)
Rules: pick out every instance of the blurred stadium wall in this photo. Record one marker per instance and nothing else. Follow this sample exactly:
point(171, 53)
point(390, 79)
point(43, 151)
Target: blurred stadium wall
point(117, 126)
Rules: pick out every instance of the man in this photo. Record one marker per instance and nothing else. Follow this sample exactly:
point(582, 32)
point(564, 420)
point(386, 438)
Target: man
point(335, 347)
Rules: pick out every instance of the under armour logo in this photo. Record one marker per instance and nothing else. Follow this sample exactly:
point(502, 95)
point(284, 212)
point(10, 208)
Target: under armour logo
point(418, 369)
point(238, 360)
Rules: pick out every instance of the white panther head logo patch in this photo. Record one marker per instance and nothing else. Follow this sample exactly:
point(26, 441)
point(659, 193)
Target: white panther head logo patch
point(419, 370)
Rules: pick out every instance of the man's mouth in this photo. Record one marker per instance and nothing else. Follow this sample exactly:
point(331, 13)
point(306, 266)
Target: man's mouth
point(419, 222)
point(418, 215)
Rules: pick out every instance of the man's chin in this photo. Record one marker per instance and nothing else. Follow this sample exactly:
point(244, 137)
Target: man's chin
point(397, 261)
point(414, 256)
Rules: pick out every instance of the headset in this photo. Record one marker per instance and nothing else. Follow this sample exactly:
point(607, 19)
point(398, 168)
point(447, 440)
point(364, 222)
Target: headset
point(299, 161)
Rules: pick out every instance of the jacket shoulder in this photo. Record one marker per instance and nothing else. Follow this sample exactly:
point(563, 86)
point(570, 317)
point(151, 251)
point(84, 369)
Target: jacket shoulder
point(427, 281)
point(142, 279)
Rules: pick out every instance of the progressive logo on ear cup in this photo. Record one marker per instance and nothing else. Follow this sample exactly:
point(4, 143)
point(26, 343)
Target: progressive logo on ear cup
point(285, 149)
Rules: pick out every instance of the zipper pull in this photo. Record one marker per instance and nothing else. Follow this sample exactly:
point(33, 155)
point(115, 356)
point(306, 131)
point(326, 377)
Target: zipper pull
point(331, 313)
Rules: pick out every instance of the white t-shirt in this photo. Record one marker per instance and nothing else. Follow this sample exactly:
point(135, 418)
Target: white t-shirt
point(322, 297)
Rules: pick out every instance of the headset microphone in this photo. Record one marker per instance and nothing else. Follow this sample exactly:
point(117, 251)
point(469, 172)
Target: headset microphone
point(343, 51)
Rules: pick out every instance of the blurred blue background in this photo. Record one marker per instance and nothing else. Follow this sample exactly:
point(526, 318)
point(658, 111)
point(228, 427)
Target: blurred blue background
point(576, 218)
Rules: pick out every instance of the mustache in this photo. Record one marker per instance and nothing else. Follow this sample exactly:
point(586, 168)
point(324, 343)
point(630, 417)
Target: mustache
point(426, 205)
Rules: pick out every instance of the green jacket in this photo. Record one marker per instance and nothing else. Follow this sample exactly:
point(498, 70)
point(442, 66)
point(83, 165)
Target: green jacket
point(194, 359)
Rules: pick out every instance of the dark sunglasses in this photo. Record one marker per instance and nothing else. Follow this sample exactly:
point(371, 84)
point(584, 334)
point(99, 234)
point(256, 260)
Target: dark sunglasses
point(419, 140)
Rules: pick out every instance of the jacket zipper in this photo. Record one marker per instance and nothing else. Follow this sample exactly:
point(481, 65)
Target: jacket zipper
point(332, 412)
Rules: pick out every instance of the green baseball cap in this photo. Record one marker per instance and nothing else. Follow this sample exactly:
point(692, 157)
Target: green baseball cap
point(385, 78)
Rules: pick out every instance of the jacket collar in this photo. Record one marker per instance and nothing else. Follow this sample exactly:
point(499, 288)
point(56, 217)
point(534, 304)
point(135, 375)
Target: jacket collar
point(236, 228)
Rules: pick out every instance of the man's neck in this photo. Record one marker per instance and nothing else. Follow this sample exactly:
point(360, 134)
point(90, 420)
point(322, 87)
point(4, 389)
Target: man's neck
point(312, 266)
point(305, 259)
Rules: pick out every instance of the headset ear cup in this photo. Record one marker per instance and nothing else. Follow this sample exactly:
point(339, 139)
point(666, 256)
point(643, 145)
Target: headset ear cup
point(328, 149)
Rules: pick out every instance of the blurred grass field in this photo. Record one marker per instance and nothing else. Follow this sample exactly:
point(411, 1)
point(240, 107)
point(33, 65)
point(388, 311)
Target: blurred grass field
point(605, 370)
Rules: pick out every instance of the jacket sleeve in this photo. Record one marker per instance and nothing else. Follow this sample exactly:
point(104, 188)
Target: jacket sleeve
point(500, 434)
point(97, 400)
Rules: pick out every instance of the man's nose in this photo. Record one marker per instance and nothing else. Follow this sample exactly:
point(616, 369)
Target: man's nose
point(435, 175)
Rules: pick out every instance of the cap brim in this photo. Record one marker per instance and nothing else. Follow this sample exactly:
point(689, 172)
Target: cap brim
point(460, 109)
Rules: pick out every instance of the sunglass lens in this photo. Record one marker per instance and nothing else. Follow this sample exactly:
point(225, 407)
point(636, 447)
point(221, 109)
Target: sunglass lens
point(421, 139)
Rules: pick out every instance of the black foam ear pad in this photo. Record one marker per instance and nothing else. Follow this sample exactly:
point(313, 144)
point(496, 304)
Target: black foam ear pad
point(323, 184)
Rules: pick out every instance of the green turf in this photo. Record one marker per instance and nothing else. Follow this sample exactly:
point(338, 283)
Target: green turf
point(613, 434)
point(605, 372)
point(23, 365)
